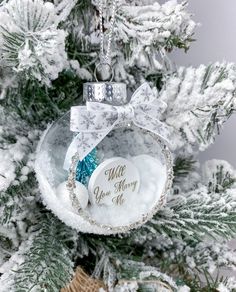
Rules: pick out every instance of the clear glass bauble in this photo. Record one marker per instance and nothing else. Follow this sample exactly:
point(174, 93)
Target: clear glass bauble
point(144, 149)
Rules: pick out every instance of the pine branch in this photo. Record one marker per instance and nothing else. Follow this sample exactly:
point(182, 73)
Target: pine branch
point(31, 43)
point(219, 176)
point(197, 214)
point(182, 167)
point(46, 258)
point(150, 23)
point(190, 261)
point(187, 258)
point(37, 105)
point(18, 201)
point(64, 8)
point(199, 101)
point(17, 182)
point(204, 211)
point(140, 32)
point(121, 273)
point(227, 284)
point(211, 283)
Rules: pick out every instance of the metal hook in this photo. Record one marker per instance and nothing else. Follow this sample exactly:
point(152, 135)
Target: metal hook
point(100, 65)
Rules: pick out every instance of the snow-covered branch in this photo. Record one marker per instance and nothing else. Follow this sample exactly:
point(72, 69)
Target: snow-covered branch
point(43, 260)
point(199, 101)
point(30, 41)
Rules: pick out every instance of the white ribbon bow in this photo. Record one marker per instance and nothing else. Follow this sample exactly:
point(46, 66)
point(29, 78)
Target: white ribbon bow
point(95, 120)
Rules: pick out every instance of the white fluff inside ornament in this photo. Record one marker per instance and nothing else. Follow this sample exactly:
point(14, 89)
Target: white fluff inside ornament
point(140, 147)
point(80, 191)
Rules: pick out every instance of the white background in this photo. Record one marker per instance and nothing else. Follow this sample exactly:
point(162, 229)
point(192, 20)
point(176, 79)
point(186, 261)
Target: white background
point(215, 41)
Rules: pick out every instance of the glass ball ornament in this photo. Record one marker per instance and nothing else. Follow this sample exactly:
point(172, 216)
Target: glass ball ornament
point(127, 183)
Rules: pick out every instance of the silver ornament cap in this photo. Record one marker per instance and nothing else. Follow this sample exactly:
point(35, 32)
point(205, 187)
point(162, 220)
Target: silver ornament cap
point(113, 93)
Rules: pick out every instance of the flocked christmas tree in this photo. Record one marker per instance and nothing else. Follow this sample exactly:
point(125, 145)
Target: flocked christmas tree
point(48, 49)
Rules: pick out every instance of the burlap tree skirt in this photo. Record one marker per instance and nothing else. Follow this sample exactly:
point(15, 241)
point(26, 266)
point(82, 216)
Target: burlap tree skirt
point(84, 283)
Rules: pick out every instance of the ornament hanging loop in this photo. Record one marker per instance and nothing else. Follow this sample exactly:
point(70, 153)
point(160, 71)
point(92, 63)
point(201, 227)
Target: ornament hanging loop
point(105, 57)
point(100, 66)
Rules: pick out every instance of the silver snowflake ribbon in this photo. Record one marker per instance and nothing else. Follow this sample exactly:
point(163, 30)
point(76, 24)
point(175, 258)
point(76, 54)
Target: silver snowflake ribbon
point(95, 120)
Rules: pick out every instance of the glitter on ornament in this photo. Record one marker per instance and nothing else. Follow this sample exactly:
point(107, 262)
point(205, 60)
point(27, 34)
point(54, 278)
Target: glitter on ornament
point(86, 167)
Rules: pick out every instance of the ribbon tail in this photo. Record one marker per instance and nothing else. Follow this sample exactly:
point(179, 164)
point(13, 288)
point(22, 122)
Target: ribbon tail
point(83, 144)
point(155, 126)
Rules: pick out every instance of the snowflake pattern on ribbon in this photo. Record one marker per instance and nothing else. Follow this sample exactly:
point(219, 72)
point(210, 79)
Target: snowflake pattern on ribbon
point(95, 120)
